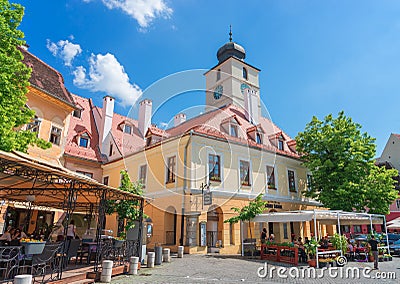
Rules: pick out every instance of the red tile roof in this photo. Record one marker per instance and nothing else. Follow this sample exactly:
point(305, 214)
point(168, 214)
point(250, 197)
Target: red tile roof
point(210, 124)
point(46, 78)
point(79, 126)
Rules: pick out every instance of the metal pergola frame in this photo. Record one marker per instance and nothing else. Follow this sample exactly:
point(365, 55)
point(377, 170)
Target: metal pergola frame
point(44, 184)
point(332, 217)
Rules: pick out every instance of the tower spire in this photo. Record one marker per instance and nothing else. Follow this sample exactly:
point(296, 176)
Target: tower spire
point(230, 33)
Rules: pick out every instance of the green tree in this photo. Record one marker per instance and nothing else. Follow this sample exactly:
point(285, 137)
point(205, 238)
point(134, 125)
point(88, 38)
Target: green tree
point(14, 76)
point(341, 159)
point(129, 210)
point(248, 212)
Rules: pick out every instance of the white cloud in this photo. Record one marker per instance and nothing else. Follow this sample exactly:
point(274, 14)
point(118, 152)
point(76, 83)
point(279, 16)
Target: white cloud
point(143, 11)
point(64, 49)
point(107, 75)
point(163, 125)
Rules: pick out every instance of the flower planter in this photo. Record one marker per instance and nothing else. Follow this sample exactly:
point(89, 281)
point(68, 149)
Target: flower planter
point(33, 247)
point(118, 243)
point(312, 262)
point(390, 258)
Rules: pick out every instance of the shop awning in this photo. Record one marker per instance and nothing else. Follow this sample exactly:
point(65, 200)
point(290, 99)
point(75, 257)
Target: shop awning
point(323, 216)
point(27, 179)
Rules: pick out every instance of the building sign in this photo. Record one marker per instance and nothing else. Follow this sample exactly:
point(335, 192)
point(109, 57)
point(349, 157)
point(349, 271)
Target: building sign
point(272, 204)
point(207, 198)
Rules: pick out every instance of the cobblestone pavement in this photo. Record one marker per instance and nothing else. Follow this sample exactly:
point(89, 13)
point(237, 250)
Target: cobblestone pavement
point(234, 269)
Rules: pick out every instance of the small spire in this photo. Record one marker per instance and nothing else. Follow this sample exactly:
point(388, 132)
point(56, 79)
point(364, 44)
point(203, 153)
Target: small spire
point(230, 33)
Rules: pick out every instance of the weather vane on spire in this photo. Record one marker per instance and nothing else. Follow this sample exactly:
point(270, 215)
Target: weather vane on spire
point(230, 33)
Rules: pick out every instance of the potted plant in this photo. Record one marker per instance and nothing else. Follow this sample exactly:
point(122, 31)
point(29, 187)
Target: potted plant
point(311, 251)
point(370, 257)
point(118, 242)
point(32, 246)
point(339, 243)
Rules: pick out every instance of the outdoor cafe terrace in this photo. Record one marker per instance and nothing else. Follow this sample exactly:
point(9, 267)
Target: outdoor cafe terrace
point(37, 183)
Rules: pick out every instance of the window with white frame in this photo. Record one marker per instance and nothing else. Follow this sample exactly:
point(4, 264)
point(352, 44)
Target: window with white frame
point(244, 172)
point(280, 145)
point(142, 175)
point(85, 173)
point(292, 181)
point(84, 140)
point(171, 170)
point(55, 135)
point(214, 167)
point(233, 129)
point(271, 177)
point(127, 128)
point(258, 138)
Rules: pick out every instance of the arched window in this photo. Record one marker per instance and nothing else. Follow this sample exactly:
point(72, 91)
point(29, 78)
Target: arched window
point(219, 74)
point(244, 73)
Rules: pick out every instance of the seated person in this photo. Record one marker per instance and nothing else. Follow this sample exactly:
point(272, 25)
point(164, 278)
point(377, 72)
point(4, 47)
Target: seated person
point(324, 243)
point(302, 252)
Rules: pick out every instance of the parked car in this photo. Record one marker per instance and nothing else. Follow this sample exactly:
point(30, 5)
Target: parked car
point(393, 237)
point(395, 248)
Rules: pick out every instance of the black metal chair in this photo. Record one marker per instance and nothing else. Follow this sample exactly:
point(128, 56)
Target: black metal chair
point(72, 247)
point(47, 264)
point(9, 262)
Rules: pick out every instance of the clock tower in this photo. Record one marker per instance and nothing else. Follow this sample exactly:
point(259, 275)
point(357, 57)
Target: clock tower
point(233, 81)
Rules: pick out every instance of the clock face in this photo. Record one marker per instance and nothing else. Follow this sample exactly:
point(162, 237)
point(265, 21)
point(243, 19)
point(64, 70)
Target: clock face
point(218, 92)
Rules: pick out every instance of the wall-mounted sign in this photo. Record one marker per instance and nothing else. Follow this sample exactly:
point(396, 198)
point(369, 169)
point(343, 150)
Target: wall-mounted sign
point(273, 204)
point(207, 198)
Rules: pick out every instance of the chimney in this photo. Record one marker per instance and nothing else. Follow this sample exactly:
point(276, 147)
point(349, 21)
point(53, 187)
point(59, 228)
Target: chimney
point(179, 118)
point(251, 105)
point(107, 113)
point(145, 109)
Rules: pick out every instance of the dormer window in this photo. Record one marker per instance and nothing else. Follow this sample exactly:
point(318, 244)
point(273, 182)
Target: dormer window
point(127, 129)
point(148, 141)
point(219, 74)
point(110, 152)
point(84, 140)
point(233, 129)
point(244, 73)
point(77, 113)
point(280, 144)
point(258, 138)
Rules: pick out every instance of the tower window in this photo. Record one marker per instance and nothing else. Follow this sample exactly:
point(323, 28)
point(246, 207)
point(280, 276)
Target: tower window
point(219, 74)
point(244, 73)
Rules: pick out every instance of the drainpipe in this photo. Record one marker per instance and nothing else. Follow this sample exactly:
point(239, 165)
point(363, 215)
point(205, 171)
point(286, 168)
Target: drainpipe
point(184, 188)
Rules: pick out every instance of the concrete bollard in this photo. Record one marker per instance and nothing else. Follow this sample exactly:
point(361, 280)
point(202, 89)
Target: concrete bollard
point(23, 279)
point(133, 265)
point(150, 259)
point(166, 255)
point(158, 251)
point(180, 251)
point(106, 272)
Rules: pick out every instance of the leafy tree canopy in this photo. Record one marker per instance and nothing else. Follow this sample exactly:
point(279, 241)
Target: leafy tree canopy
point(14, 76)
point(127, 209)
point(248, 212)
point(341, 159)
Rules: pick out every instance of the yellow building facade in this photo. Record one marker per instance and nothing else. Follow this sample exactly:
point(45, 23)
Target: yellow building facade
point(195, 172)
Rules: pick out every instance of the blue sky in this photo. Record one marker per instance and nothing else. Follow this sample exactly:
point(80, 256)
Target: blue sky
point(316, 57)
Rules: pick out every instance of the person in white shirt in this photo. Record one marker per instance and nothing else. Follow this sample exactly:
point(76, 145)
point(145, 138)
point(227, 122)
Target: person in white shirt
point(71, 231)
